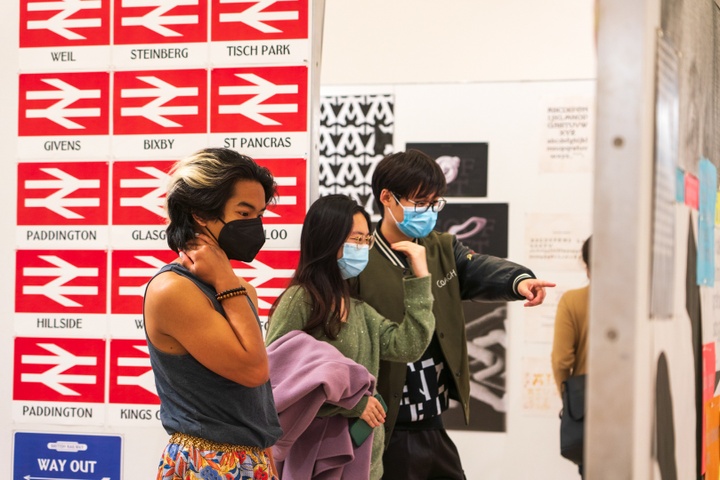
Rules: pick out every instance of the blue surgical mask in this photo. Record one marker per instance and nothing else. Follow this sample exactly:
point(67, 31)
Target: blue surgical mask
point(353, 260)
point(416, 224)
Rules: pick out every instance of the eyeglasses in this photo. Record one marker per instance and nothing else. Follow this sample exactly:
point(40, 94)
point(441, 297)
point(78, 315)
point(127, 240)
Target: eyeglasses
point(360, 241)
point(421, 207)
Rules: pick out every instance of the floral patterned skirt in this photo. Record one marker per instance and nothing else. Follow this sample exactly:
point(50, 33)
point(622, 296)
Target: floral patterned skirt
point(191, 458)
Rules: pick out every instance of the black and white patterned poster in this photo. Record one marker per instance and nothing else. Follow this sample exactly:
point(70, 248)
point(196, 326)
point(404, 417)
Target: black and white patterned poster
point(486, 343)
point(484, 228)
point(356, 132)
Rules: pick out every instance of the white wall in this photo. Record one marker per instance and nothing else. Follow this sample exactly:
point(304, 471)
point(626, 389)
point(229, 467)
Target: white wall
point(425, 41)
point(452, 67)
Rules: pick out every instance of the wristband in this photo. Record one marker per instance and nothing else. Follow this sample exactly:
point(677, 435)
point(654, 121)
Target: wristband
point(233, 292)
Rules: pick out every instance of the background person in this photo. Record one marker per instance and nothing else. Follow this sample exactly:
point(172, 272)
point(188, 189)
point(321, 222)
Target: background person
point(570, 338)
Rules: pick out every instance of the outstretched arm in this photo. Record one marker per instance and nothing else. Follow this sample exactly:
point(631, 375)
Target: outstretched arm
point(490, 278)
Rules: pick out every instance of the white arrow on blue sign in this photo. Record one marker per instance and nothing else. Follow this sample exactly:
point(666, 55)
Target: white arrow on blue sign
point(55, 456)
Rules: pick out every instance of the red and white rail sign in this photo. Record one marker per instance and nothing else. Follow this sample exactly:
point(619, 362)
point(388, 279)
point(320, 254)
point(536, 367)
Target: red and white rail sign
point(63, 281)
point(131, 272)
point(63, 193)
point(160, 102)
point(64, 104)
point(131, 376)
point(59, 369)
point(244, 20)
point(270, 274)
point(160, 21)
point(139, 190)
point(291, 178)
point(259, 99)
point(58, 23)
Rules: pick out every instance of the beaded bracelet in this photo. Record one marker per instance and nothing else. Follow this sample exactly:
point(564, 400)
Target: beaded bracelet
point(233, 292)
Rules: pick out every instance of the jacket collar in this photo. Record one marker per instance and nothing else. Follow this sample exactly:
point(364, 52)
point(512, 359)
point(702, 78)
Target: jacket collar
point(383, 246)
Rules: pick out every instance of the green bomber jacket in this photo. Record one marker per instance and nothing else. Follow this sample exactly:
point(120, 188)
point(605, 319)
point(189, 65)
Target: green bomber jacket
point(458, 274)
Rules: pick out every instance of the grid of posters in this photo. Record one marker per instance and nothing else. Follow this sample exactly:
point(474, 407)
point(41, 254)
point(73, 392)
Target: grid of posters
point(111, 94)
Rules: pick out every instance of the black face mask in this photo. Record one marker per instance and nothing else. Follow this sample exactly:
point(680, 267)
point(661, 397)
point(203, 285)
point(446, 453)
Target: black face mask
point(242, 239)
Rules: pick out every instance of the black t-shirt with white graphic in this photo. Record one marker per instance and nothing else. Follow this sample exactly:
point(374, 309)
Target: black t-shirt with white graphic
point(427, 383)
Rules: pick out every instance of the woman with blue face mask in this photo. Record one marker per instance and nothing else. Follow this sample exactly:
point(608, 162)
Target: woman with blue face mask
point(334, 247)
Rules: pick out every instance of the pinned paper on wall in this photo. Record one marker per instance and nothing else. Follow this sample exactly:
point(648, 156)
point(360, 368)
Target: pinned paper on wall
point(691, 191)
point(487, 355)
point(539, 321)
point(554, 240)
point(540, 395)
point(679, 185)
point(568, 135)
point(710, 422)
point(706, 223)
point(710, 464)
point(665, 178)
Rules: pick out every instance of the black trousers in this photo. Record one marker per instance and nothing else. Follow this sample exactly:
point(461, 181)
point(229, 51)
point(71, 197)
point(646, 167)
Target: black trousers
point(421, 455)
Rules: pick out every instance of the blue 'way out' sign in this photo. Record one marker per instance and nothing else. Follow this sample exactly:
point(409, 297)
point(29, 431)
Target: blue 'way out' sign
point(60, 456)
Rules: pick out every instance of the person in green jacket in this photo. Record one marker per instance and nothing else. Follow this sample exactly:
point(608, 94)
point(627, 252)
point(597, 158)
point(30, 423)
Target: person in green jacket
point(334, 246)
point(408, 188)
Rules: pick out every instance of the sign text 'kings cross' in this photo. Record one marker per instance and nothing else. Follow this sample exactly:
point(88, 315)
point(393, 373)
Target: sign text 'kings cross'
point(131, 377)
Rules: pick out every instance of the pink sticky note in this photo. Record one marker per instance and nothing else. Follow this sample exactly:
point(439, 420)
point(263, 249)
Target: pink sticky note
point(692, 189)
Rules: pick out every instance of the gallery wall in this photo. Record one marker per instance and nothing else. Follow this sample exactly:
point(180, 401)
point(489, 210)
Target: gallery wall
point(460, 90)
point(503, 87)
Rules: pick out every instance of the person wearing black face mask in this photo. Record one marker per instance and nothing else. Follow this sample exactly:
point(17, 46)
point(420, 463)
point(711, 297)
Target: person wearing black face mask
point(203, 332)
point(241, 239)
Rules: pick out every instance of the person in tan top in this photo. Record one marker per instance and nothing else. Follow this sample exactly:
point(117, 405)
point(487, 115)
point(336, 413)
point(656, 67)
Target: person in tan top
point(570, 346)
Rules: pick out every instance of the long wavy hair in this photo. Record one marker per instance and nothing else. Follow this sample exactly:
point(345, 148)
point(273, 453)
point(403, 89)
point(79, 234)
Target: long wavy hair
point(327, 225)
